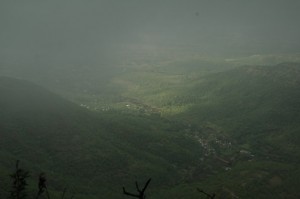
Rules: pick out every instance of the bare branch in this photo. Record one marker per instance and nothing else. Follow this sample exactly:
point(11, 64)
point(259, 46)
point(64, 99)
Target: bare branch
point(130, 194)
point(146, 185)
point(141, 193)
point(208, 195)
point(137, 187)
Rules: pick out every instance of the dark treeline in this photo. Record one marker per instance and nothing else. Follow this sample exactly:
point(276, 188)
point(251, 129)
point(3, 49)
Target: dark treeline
point(19, 187)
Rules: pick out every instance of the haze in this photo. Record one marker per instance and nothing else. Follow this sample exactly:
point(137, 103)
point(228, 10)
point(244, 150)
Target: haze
point(201, 96)
point(94, 32)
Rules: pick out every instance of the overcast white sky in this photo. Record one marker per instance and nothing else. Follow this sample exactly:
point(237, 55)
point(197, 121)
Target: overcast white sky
point(72, 30)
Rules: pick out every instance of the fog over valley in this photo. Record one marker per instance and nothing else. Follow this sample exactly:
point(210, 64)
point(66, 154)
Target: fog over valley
point(149, 99)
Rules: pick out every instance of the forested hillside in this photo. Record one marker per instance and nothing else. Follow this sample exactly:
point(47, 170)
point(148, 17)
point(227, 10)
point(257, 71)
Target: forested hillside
point(191, 99)
point(231, 130)
point(90, 153)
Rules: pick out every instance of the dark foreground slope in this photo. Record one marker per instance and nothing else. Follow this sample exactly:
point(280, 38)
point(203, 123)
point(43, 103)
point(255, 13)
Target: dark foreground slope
point(93, 155)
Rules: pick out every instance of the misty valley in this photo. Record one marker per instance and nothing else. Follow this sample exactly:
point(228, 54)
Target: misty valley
point(227, 128)
point(149, 99)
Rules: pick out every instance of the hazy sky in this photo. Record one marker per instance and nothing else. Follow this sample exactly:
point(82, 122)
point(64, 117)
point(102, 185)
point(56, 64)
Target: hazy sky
point(87, 31)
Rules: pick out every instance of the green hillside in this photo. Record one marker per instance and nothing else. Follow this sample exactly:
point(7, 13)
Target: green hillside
point(259, 108)
point(251, 103)
point(228, 129)
point(91, 153)
point(246, 115)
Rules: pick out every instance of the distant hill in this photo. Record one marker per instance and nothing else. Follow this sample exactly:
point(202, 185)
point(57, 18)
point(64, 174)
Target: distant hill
point(250, 103)
point(259, 108)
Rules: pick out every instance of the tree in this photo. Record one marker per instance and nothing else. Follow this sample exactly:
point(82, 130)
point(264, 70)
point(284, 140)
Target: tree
point(42, 186)
point(19, 184)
